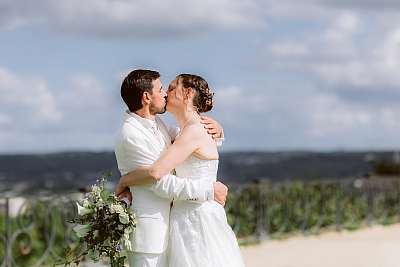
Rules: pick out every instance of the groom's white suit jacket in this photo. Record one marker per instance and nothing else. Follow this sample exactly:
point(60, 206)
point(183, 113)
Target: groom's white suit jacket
point(140, 143)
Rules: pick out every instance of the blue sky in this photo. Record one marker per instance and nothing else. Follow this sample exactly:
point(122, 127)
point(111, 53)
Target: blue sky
point(297, 74)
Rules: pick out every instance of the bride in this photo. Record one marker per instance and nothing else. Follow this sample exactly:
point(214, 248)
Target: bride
point(199, 232)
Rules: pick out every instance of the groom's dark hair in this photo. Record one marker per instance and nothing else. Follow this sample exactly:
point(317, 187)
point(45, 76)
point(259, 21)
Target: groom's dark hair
point(135, 84)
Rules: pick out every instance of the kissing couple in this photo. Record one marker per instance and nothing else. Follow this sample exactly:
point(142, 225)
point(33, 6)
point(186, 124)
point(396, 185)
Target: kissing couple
point(172, 174)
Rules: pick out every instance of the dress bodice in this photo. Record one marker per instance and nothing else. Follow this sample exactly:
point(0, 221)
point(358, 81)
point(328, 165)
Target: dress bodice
point(196, 168)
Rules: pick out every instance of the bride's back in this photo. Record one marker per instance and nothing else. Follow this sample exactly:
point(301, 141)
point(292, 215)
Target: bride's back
point(207, 148)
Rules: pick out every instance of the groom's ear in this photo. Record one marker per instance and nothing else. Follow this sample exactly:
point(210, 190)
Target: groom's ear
point(146, 98)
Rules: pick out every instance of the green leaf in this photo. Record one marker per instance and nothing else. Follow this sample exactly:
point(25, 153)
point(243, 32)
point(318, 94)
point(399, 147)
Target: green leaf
point(104, 195)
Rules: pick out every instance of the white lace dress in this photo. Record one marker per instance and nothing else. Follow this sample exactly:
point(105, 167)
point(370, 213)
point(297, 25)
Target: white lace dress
point(200, 235)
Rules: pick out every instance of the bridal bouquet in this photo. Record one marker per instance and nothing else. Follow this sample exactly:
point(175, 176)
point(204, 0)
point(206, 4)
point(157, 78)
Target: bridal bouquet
point(104, 225)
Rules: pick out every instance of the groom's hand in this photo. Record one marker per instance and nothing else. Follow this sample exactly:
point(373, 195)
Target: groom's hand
point(220, 193)
point(120, 188)
point(125, 194)
point(213, 128)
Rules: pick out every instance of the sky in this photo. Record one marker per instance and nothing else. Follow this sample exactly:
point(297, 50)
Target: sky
point(287, 75)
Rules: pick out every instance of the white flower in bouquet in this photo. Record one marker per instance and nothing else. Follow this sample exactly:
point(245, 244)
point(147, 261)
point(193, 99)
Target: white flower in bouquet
point(127, 244)
point(116, 208)
point(127, 239)
point(82, 210)
point(85, 203)
point(96, 233)
point(123, 218)
point(96, 190)
point(82, 230)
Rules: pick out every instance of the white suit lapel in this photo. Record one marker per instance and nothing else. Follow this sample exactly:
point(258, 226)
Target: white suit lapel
point(146, 132)
point(164, 130)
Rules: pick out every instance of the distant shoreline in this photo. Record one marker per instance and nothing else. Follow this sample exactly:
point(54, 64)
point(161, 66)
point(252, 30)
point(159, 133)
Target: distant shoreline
point(223, 151)
point(79, 169)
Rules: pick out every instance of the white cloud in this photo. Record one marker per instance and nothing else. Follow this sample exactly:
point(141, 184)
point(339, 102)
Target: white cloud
point(247, 101)
point(343, 28)
point(376, 68)
point(353, 70)
point(389, 51)
point(359, 4)
point(324, 67)
point(331, 116)
point(26, 99)
point(34, 117)
point(85, 87)
point(345, 53)
point(89, 107)
point(263, 118)
point(154, 18)
point(122, 18)
point(301, 116)
point(288, 50)
point(389, 119)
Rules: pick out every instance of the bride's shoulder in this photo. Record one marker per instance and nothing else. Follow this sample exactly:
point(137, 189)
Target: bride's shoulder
point(193, 130)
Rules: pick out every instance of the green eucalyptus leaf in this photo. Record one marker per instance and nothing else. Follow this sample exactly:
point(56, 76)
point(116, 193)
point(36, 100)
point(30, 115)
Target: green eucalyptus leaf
point(104, 195)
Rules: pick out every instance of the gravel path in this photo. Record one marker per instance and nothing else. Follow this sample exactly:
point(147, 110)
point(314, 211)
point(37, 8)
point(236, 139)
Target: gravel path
point(377, 246)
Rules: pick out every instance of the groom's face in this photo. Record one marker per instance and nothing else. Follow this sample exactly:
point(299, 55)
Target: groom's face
point(158, 98)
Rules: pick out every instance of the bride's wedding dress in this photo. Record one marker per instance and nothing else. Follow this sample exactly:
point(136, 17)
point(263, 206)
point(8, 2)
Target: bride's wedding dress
point(199, 232)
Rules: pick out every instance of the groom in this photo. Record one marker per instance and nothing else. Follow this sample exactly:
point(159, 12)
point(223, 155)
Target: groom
point(142, 139)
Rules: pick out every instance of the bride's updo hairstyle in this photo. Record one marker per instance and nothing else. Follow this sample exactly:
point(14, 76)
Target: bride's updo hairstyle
point(203, 97)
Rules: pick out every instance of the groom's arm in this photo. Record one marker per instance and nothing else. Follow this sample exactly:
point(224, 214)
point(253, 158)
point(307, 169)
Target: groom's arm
point(178, 188)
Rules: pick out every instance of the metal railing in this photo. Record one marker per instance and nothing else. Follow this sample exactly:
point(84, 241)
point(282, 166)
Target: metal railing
point(34, 230)
point(264, 210)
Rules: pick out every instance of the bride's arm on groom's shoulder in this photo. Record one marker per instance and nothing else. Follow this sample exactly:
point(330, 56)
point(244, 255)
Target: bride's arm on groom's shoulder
point(212, 126)
point(188, 142)
point(179, 187)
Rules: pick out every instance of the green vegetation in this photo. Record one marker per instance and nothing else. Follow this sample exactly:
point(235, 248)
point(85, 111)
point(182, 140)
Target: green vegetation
point(275, 210)
point(281, 209)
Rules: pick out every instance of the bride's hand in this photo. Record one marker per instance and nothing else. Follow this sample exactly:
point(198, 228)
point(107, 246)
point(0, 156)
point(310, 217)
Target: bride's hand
point(213, 127)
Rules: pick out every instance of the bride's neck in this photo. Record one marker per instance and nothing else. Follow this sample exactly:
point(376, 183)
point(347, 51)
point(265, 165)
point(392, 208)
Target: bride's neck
point(186, 116)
